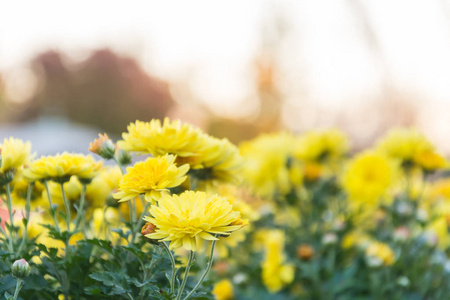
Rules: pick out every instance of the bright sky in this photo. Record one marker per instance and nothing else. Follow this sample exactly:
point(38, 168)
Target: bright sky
point(327, 54)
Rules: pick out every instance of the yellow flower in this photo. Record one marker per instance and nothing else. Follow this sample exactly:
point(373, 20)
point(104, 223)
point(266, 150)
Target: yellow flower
point(190, 217)
point(14, 154)
point(411, 147)
point(61, 167)
point(223, 290)
point(275, 273)
point(355, 238)
point(320, 145)
point(378, 254)
point(171, 137)
point(429, 160)
point(368, 177)
point(268, 164)
point(209, 158)
point(217, 160)
point(152, 178)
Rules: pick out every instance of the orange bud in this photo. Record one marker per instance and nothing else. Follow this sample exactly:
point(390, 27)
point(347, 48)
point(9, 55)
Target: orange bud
point(305, 252)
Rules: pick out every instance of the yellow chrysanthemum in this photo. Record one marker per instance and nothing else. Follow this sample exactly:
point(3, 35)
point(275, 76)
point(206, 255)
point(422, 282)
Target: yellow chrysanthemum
point(368, 177)
point(192, 216)
point(152, 178)
point(319, 145)
point(379, 254)
point(275, 273)
point(217, 160)
point(61, 167)
point(171, 137)
point(14, 154)
point(268, 167)
point(411, 147)
point(355, 238)
point(223, 290)
point(429, 160)
point(210, 159)
point(20, 190)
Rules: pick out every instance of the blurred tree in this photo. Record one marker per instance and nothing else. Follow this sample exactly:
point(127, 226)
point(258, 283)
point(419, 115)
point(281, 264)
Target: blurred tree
point(105, 90)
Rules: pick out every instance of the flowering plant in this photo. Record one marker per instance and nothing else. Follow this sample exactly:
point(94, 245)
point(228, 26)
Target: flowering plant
point(174, 213)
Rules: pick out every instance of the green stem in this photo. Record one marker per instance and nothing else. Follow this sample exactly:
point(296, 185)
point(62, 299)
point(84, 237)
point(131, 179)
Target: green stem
point(132, 209)
point(80, 210)
point(208, 268)
point(19, 285)
point(172, 260)
point(52, 210)
point(129, 202)
point(67, 206)
point(118, 163)
point(140, 221)
point(27, 217)
point(11, 218)
point(186, 275)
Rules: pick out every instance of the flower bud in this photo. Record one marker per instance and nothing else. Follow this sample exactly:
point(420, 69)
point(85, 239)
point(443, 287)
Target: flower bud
point(305, 252)
point(103, 146)
point(124, 157)
point(20, 269)
point(147, 229)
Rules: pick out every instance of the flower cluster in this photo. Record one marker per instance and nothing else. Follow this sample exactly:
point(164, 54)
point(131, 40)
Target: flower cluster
point(281, 216)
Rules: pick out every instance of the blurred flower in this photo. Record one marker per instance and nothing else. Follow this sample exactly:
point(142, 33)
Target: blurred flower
point(152, 178)
point(218, 160)
point(429, 160)
point(355, 238)
point(103, 146)
point(275, 272)
point(313, 171)
point(379, 254)
point(269, 165)
point(192, 216)
point(14, 154)
point(223, 290)
point(367, 177)
point(329, 238)
point(401, 234)
point(411, 148)
point(305, 252)
point(321, 145)
point(61, 167)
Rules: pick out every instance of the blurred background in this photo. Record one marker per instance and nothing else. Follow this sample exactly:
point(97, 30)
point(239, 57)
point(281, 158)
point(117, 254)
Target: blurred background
point(69, 70)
